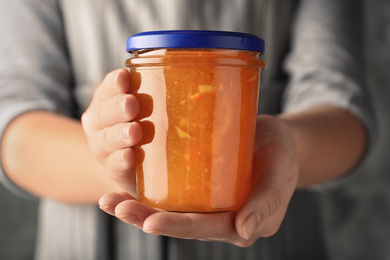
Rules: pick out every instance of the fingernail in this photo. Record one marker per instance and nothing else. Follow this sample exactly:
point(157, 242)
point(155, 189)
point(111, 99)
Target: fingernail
point(124, 132)
point(110, 209)
point(251, 224)
point(105, 207)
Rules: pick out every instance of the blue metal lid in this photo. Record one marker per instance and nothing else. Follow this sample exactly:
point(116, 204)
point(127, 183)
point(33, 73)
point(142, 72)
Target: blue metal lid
point(195, 39)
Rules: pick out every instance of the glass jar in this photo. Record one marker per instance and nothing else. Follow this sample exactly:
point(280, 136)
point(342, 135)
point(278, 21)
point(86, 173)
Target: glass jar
point(198, 93)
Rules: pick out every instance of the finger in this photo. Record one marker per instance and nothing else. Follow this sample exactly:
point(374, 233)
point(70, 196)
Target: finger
point(124, 173)
point(121, 162)
point(118, 108)
point(206, 227)
point(109, 201)
point(134, 212)
point(119, 136)
point(218, 226)
point(111, 102)
point(114, 83)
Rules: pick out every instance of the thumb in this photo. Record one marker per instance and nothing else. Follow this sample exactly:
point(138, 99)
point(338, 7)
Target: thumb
point(275, 174)
point(274, 184)
point(260, 207)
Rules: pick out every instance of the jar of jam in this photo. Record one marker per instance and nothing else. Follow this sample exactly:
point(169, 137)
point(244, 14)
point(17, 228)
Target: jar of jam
point(198, 93)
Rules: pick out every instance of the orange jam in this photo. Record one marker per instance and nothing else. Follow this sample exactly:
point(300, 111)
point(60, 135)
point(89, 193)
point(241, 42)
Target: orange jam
point(198, 114)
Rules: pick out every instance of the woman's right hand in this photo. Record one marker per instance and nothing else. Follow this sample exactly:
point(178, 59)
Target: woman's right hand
point(108, 125)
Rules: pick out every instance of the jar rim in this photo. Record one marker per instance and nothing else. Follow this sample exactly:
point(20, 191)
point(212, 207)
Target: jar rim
point(195, 39)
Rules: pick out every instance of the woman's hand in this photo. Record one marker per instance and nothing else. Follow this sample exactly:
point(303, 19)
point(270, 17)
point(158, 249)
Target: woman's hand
point(109, 130)
point(275, 175)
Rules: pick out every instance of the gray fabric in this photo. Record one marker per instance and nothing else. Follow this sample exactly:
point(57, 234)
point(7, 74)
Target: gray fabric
point(66, 231)
point(313, 69)
point(48, 74)
point(28, 79)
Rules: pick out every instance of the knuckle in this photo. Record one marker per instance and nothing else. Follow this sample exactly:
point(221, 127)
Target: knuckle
point(222, 234)
point(191, 229)
point(114, 164)
point(120, 106)
point(104, 137)
point(101, 143)
point(127, 160)
point(274, 199)
point(84, 121)
point(90, 119)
